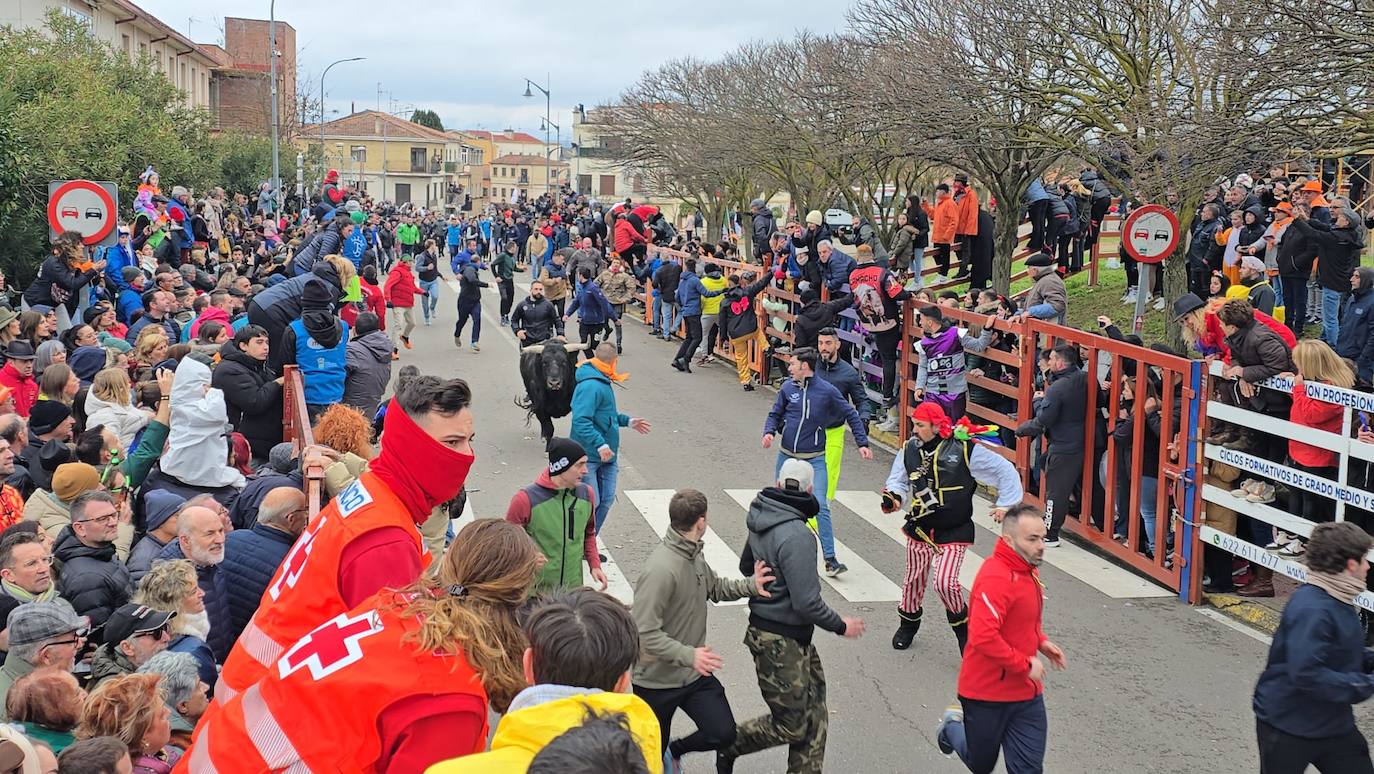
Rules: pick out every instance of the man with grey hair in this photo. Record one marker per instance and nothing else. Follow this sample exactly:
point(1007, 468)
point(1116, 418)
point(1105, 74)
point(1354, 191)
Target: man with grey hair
point(92, 578)
point(835, 266)
point(200, 538)
point(252, 556)
point(184, 693)
point(41, 634)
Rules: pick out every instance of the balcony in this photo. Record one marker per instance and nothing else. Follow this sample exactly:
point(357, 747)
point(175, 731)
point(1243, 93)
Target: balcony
point(595, 153)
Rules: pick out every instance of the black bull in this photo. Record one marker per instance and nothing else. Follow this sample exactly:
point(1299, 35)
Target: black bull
point(547, 371)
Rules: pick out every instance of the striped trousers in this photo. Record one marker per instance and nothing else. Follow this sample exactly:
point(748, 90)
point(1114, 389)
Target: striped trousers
point(920, 556)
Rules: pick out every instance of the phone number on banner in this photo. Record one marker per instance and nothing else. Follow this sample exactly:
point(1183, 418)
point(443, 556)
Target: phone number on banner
point(1294, 570)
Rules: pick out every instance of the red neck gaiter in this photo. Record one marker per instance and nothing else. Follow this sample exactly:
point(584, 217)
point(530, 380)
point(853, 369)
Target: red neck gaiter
point(422, 472)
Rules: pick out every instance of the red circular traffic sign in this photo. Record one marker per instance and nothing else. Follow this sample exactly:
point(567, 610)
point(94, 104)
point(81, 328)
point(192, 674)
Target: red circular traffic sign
point(1150, 233)
point(84, 207)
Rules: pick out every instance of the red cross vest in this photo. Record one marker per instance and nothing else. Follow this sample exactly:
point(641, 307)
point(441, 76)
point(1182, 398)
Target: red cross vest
point(305, 590)
point(317, 708)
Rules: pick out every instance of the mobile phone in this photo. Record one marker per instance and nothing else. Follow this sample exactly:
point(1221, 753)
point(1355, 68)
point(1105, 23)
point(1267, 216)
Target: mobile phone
point(1364, 420)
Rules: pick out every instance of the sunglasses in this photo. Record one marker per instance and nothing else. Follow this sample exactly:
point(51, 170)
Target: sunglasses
point(155, 633)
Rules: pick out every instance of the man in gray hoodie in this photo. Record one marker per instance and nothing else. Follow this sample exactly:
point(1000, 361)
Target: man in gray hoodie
point(677, 667)
point(781, 625)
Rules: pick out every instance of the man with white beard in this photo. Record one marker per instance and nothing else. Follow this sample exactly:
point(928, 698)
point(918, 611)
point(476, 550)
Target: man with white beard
point(200, 538)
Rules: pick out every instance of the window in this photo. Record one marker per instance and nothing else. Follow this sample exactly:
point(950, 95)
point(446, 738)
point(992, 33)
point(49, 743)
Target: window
point(501, 171)
point(637, 184)
point(80, 16)
point(128, 45)
point(360, 153)
point(142, 49)
point(465, 154)
point(524, 176)
point(419, 160)
point(584, 184)
point(607, 186)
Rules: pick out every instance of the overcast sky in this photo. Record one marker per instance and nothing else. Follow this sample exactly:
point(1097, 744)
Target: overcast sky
point(468, 61)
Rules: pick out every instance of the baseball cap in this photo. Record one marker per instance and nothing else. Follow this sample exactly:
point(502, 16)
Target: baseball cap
point(39, 621)
point(134, 619)
point(796, 474)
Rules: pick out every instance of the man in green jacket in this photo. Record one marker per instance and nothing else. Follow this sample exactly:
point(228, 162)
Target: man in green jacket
point(556, 511)
point(676, 668)
point(408, 235)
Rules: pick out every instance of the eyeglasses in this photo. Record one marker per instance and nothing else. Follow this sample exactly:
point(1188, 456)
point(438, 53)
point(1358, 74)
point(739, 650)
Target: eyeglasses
point(43, 560)
point(109, 518)
point(156, 634)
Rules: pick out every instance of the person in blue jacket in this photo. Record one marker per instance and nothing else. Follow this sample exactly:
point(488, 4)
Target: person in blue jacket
point(117, 256)
point(596, 424)
point(459, 259)
point(355, 244)
point(1318, 665)
point(645, 274)
point(595, 309)
point(454, 236)
point(690, 291)
point(804, 408)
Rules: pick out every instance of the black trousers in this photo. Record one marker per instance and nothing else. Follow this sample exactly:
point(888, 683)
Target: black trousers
point(1063, 474)
point(591, 336)
point(1281, 753)
point(1294, 303)
point(507, 289)
point(704, 702)
point(942, 258)
point(889, 341)
point(1098, 212)
point(1036, 213)
point(693, 340)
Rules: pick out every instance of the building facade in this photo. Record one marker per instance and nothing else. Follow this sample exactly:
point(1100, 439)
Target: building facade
point(596, 171)
point(533, 175)
point(240, 86)
point(131, 31)
point(386, 157)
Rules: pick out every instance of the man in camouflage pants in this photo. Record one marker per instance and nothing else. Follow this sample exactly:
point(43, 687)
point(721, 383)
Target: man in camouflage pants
point(780, 626)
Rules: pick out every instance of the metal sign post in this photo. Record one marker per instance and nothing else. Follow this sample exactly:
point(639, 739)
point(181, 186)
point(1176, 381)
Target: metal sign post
point(1149, 235)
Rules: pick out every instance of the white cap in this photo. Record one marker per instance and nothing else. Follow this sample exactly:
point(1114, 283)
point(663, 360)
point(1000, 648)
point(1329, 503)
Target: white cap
point(796, 474)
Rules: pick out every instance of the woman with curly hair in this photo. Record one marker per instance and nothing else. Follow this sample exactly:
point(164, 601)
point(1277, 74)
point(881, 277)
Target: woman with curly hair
point(430, 659)
point(172, 586)
point(345, 430)
point(130, 708)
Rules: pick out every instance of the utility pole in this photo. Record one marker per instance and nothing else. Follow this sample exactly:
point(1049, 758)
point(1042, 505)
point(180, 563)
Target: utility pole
point(272, 57)
point(548, 122)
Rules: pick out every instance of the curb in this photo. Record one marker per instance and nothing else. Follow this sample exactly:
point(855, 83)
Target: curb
point(1243, 610)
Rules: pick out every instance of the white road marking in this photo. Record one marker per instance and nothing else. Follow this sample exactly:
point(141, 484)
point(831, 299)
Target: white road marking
point(863, 582)
point(652, 504)
point(1231, 623)
point(868, 506)
point(617, 585)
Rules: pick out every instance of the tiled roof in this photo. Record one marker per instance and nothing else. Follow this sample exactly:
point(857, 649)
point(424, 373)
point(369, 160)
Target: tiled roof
point(365, 124)
point(516, 159)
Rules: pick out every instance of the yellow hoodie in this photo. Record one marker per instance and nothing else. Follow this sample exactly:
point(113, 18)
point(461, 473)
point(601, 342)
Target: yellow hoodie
point(522, 733)
point(711, 306)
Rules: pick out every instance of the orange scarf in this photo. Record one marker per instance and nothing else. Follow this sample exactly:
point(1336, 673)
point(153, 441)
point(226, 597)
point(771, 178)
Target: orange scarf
point(608, 369)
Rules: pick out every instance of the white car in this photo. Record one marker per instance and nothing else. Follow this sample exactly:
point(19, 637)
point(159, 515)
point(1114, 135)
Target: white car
point(837, 219)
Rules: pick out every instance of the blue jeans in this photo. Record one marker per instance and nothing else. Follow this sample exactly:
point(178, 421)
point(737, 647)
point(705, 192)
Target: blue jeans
point(601, 477)
point(430, 302)
point(672, 318)
point(658, 311)
point(1149, 488)
point(1019, 729)
point(1331, 312)
point(821, 483)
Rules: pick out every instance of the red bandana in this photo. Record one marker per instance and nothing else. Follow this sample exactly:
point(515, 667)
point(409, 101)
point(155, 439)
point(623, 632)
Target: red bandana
point(931, 413)
point(422, 472)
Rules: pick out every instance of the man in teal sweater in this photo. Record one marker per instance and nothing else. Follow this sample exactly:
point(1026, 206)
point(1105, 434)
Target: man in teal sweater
point(596, 424)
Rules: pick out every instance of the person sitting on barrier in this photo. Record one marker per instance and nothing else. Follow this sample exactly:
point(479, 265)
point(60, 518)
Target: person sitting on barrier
point(1048, 298)
point(940, 369)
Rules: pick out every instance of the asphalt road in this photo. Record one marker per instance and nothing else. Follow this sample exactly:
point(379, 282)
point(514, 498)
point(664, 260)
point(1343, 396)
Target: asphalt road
point(1152, 685)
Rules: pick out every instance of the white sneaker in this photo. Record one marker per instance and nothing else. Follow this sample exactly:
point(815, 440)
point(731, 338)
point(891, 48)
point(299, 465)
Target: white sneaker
point(889, 425)
point(1129, 297)
point(1159, 304)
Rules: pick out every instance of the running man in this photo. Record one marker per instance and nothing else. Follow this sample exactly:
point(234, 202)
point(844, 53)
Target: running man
point(845, 378)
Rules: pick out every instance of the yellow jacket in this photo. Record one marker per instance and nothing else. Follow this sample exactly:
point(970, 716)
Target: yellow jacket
point(711, 306)
point(522, 733)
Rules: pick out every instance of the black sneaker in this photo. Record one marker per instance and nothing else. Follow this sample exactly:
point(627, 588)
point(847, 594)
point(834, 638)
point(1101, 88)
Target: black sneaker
point(834, 566)
point(601, 556)
point(749, 387)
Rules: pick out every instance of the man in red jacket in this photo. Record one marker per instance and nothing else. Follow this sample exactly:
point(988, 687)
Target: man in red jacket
point(1001, 679)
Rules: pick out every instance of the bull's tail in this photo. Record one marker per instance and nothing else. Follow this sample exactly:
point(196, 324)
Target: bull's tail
point(526, 404)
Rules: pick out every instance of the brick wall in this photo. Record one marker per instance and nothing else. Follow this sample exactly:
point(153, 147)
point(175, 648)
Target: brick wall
point(248, 42)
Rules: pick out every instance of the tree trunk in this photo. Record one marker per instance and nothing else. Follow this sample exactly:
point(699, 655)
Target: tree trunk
point(1175, 285)
point(1007, 223)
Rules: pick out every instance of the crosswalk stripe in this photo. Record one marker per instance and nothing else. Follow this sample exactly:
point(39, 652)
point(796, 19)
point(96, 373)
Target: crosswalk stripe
point(868, 506)
point(863, 582)
point(616, 583)
point(1096, 571)
point(653, 506)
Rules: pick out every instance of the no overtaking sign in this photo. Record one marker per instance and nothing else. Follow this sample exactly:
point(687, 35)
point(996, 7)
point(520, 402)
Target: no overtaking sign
point(84, 206)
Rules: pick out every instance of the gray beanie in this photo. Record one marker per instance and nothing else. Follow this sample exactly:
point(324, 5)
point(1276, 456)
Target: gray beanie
point(281, 458)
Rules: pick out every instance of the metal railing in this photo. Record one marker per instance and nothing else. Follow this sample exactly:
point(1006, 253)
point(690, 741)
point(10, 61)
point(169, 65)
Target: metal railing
point(297, 431)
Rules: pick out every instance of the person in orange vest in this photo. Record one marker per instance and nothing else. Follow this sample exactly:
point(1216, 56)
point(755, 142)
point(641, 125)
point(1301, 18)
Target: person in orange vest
point(966, 229)
point(944, 223)
point(367, 539)
point(398, 683)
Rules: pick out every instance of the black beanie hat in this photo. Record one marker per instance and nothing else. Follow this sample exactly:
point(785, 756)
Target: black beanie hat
point(563, 454)
point(316, 295)
point(46, 415)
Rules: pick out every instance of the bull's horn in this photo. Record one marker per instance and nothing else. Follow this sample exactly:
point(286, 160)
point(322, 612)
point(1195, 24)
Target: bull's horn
point(534, 349)
point(574, 347)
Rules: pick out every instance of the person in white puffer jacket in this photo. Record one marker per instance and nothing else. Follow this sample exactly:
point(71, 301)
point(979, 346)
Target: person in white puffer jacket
point(109, 403)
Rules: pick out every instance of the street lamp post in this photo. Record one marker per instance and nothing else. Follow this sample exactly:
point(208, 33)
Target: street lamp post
point(547, 123)
point(272, 56)
point(558, 147)
point(322, 76)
